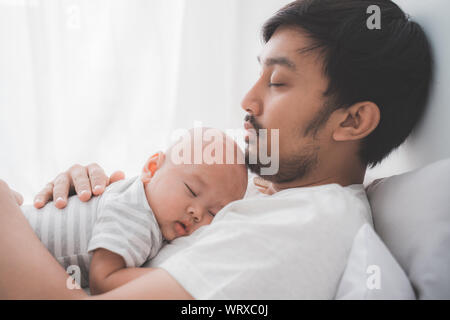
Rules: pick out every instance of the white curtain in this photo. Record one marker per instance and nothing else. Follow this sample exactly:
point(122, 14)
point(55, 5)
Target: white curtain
point(108, 81)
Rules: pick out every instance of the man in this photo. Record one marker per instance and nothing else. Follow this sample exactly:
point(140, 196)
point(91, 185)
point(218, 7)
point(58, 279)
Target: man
point(343, 97)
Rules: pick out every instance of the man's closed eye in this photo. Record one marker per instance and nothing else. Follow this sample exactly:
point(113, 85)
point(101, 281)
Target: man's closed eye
point(276, 84)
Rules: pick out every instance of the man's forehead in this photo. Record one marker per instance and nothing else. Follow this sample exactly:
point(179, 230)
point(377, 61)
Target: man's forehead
point(286, 45)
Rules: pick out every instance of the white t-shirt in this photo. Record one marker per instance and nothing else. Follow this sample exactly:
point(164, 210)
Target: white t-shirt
point(290, 245)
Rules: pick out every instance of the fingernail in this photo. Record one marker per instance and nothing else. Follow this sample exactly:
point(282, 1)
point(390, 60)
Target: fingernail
point(84, 194)
point(60, 199)
point(97, 188)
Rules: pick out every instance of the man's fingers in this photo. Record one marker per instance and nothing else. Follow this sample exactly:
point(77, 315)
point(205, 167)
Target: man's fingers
point(61, 187)
point(43, 197)
point(98, 178)
point(116, 176)
point(84, 180)
point(80, 181)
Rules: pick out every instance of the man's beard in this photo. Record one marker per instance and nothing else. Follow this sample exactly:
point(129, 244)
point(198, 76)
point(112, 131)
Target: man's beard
point(296, 166)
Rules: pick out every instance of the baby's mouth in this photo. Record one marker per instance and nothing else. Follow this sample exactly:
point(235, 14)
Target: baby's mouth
point(181, 229)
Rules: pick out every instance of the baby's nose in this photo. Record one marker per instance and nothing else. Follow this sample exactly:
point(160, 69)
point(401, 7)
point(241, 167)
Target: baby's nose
point(196, 214)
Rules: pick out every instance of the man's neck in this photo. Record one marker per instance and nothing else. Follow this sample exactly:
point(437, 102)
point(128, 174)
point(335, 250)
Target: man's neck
point(348, 176)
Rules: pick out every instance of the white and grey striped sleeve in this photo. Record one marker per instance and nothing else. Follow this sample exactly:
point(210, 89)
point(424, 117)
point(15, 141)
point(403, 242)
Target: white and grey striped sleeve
point(126, 226)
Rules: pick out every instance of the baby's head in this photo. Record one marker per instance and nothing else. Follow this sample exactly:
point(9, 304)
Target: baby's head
point(185, 194)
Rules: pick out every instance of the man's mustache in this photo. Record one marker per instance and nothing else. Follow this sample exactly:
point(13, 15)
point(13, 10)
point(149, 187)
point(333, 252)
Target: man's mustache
point(251, 119)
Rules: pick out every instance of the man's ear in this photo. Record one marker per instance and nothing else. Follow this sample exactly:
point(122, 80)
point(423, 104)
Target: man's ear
point(356, 122)
point(152, 165)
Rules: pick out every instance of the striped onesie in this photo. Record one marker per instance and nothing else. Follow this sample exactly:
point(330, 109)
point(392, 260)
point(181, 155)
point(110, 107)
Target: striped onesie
point(120, 220)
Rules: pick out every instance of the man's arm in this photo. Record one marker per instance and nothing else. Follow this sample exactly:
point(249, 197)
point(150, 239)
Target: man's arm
point(27, 269)
point(155, 285)
point(108, 271)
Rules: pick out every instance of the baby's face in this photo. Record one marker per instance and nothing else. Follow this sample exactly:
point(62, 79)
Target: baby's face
point(186, 197)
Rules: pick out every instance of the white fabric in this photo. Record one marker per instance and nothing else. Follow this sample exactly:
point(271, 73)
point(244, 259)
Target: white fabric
point(372, 273)
point(66, 233)
point(291, 245)
point(125, 223)
point(411, 213)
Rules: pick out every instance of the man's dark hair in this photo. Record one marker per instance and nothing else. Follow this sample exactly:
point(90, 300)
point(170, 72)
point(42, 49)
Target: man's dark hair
point(391, 66)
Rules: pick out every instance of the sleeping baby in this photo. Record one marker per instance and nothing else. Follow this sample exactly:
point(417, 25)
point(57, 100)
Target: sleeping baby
point(113, 234)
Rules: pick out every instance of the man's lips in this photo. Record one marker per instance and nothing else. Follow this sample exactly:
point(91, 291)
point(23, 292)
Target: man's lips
point(248, 125)
point(249, 130)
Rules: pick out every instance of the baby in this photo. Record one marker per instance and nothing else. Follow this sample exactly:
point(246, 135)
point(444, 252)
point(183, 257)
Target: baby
point(112, 235)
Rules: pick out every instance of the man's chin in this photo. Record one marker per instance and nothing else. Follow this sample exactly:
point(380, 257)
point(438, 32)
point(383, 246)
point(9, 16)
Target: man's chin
point(298, 167)
point(256, 167)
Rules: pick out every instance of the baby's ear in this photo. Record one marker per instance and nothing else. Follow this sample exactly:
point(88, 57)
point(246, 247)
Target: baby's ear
point(152, 165)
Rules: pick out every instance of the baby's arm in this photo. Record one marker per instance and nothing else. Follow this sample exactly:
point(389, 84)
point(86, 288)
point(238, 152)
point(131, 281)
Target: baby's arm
point(108, 271)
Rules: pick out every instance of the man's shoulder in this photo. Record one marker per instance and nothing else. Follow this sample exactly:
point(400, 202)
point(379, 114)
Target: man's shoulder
point(324, 201)
point(330, 191)
point(289, 221)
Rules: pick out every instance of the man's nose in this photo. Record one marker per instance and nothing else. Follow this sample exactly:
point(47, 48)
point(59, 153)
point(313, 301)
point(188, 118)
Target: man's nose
point(252, 102)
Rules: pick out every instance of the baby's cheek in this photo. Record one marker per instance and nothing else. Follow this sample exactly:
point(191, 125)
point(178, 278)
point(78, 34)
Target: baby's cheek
point(166, 200)
point(208, 220)
point(168, 233)
point(170, 211)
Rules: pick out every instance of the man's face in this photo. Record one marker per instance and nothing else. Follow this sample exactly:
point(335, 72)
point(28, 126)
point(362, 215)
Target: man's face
point(288, 96)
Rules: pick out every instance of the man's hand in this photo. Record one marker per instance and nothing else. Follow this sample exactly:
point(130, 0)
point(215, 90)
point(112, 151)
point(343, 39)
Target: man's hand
point(83, 181)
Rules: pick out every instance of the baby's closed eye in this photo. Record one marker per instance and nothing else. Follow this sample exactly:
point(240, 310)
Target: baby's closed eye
point(212, 213)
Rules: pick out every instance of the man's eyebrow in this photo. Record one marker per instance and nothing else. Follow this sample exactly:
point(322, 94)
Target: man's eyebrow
point(282, 61)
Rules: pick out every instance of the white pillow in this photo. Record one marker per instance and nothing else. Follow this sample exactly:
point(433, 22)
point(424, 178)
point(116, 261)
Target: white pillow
point(372, 272)
point(411, 213)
